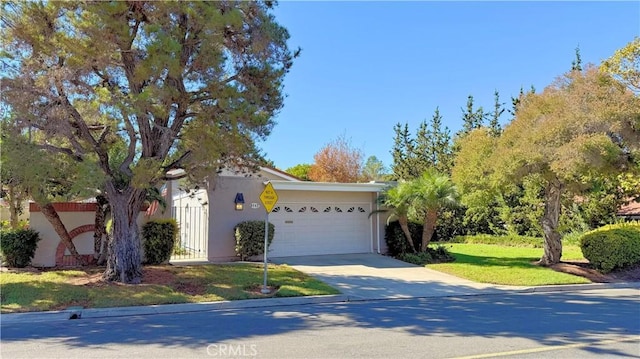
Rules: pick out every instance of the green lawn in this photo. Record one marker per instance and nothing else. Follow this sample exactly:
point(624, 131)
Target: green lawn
point(24, 291)
point(495, 264)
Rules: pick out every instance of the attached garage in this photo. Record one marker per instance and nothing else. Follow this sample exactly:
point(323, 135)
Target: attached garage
point(324, 218)
point(310, 228)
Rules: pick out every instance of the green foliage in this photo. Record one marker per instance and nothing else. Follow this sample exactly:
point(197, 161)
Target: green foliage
point(300, 170)
point(612, 247)
point(420, 258)
point(159, 239)
point(6, 225)
point(373, 170)
point(431, 148)
point(18, 246)
point(396, 241)
point(450, 224)
point(250, 238)
point(439, 254)
point(625, 65)
point(506, 240)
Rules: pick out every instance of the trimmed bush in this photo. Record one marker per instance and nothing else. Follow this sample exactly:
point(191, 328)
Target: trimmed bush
point(612, 247)
point(396, 241)
point(159, 238)
point(250, 238)
point(18, 246)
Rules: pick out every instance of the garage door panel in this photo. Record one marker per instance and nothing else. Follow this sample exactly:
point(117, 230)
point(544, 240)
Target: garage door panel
point(320, 228)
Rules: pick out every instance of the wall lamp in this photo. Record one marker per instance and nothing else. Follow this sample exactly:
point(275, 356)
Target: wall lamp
point(239, 201)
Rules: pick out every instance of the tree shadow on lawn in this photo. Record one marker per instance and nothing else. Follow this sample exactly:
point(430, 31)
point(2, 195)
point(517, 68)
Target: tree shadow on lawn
point(517, 262)
point(546, 318)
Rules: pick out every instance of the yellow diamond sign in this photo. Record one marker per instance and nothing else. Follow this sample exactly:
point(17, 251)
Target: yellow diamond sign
point(269, 197)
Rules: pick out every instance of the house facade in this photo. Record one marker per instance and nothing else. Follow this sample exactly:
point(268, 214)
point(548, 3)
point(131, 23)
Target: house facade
point(310, 218)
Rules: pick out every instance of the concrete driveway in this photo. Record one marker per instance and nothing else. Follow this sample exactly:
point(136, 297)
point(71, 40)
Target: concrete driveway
point(374, 276)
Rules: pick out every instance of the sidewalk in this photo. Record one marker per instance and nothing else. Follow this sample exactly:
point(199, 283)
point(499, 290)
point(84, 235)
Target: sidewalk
point(89, 313)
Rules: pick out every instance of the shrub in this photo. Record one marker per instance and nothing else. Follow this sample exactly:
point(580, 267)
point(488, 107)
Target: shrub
point(250, 238)
point(612, 247)
point(18, 246)
point(438, 254)
point(420, 258)
point(396, 241)
point(158, 240)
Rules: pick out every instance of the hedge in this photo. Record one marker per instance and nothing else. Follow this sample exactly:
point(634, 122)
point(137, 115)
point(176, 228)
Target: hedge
point(612, 247)
point(250, 238)
point(158, 240)
point(18, 246)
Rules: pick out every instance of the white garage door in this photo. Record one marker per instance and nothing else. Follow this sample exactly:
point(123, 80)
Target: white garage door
point(320, 228)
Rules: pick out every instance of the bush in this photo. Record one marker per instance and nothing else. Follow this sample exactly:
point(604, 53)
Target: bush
point(18, 246)
point(159, 238)
point(396, 241)
point(250, 238)
point(439, 254)
point(612, 247)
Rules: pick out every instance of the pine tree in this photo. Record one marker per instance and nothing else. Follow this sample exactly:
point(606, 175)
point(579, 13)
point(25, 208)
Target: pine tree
point(494, 124)
point(576, 65)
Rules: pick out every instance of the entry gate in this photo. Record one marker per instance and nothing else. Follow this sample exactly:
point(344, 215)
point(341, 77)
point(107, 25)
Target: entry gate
point(194, 232)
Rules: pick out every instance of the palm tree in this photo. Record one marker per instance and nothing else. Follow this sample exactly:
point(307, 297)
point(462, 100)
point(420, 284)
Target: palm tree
point(429, 193)
point(397, 200)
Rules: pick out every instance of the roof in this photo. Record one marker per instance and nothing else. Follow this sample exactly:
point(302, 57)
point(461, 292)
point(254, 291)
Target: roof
point(327, 186)
point(630, 209)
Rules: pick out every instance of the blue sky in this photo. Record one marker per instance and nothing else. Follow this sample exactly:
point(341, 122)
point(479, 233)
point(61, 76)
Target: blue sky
point(368, 65)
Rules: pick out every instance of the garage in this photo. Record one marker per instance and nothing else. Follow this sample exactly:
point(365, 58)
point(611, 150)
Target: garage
point(313, 218)
point(321, 228)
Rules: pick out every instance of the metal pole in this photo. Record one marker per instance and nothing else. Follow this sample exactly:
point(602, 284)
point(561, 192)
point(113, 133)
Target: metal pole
point(265, 290)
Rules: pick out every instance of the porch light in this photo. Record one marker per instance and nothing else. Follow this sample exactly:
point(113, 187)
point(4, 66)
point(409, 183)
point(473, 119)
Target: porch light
point(239, 201)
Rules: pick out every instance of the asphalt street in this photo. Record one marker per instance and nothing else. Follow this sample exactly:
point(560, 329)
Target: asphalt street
point(584, 324)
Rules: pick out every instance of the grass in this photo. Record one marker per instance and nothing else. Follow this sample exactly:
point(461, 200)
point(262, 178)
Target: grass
point(495, 264)
point(26, 291)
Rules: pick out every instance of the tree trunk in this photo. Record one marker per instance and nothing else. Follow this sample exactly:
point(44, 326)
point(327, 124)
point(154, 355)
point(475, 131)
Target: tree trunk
point(552, 239)
point(51, 215)
point(14, 197)
point(124, 262)
point(100, 229)
point(428, 228)
point(404, 225)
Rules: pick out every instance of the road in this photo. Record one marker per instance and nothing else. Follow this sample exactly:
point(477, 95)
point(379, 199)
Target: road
point(594, 323)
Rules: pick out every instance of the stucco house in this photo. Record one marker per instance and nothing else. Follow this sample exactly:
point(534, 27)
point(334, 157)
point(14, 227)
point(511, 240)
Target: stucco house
point(310, 218)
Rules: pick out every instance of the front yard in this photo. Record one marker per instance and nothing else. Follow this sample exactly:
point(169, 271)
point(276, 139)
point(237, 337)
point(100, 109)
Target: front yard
point(30, 289)
point(507, 265)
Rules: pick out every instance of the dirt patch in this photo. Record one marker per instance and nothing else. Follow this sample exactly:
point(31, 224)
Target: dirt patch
point(584, 269)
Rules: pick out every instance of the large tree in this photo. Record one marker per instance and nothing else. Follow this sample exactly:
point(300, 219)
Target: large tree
point(189, 84)
point(586, 123)
point(337, 161)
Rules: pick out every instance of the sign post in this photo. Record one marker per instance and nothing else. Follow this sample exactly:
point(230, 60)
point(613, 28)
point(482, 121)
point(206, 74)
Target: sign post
point(268, 197)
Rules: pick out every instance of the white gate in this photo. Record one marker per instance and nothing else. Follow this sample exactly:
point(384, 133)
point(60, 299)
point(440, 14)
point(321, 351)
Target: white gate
point(194, 232)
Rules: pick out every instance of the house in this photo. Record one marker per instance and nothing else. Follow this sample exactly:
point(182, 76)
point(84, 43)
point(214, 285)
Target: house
point(310, 218)
point(630, 211)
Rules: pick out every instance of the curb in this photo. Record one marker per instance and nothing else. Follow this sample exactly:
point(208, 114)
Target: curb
point(96, 313)
point(576, 287)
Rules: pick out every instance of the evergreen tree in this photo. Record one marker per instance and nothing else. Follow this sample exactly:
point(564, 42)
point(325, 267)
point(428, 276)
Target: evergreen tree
point(576, 65)
point(494, 124)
